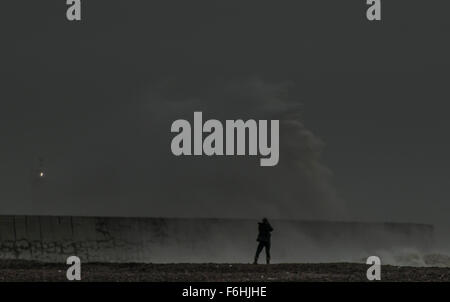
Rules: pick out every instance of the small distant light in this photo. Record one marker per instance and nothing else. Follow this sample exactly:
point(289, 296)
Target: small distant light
point(41, 174)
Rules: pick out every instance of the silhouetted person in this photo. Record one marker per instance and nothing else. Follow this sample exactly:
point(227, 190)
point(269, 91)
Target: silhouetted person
point(264, 230)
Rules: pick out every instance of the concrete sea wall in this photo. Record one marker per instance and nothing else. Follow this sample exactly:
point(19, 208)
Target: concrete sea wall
point(115, 239)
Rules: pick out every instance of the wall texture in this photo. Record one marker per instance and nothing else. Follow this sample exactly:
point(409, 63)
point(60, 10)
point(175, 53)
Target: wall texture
point(115, 239)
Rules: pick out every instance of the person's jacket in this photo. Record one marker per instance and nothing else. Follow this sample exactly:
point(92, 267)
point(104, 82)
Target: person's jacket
point(264, 230)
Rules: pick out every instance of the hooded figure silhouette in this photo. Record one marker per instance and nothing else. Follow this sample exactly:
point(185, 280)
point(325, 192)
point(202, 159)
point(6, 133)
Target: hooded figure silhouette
point(264, 230)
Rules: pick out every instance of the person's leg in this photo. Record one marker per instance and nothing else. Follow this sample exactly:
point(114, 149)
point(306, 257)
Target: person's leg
point(268, 252)
point(258, 251)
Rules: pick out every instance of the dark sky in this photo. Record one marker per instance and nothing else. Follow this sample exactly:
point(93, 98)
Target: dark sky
point(364, 107)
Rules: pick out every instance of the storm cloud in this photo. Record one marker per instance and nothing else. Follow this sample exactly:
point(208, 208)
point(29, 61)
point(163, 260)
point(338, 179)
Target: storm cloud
point(363, 108)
